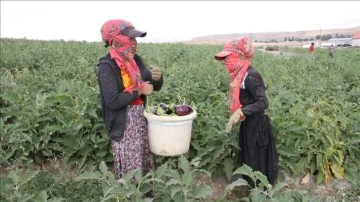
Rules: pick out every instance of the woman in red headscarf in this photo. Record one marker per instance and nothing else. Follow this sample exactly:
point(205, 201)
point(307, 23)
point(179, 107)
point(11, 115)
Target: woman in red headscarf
point(124, 82)
point(248, 104)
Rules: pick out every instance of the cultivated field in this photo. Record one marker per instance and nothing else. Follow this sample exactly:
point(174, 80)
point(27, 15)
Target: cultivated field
point(54, 146)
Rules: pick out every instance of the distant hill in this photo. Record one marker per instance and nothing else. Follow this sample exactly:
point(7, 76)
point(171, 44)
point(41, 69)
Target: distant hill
point(269, 36)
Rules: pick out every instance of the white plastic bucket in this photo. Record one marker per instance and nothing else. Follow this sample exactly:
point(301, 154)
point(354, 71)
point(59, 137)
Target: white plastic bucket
point(169, 135)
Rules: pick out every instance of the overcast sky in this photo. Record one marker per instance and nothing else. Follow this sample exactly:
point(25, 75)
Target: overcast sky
point(171, 21)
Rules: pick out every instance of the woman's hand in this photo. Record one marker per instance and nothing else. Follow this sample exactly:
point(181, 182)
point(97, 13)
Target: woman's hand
point(155, 73)
point(234, 119)
point(147, 89)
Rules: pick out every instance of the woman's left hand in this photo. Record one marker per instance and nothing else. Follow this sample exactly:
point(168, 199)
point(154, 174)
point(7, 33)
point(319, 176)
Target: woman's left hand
point(155, 73)
point(234, 119)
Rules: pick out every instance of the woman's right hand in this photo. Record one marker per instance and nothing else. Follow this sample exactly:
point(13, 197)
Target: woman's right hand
point(147, 89)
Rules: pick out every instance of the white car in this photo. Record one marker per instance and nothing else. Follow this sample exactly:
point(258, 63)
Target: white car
point(326, 45)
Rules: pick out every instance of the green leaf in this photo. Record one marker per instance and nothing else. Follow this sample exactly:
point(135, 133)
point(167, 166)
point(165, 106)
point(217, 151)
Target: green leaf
point(257, 195)
point(187, 178)
point(236, 183)
point(108, 197)
point(103, 168)
point(329, 151)
point(42, 196)
point(244, 170)
point(263, 179)
point(160, 171)
point(88, 176)
point(228, 167)
point(1, 128)
point(26, 197)
point(100, 153)
point(172, 182)
point(28, 176)
point(175, 191)
point(203, 192)
point(183, 163)
point(56, 199)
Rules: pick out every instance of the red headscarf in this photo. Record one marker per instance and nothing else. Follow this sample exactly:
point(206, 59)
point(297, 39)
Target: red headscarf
point(122, 50)
point(237, 55)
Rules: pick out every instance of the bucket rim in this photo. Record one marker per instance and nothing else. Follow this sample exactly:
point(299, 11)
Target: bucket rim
point(151, 116)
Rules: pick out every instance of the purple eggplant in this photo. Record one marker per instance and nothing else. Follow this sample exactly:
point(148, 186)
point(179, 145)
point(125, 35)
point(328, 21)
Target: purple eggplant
point(166, 109)
point(182, 109)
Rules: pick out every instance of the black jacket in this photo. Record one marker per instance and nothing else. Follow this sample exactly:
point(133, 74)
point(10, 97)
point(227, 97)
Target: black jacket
point(113, 101)
point(253, 96)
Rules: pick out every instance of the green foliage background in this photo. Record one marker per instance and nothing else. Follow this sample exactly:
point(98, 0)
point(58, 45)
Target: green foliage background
point(50, 105)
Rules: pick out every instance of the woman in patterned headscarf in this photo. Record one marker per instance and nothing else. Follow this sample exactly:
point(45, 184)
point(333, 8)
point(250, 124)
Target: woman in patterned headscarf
point(124, 83)
point(248, 104)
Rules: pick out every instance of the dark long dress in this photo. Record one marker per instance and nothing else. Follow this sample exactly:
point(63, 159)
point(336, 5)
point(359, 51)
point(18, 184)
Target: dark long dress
point(256, 141)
